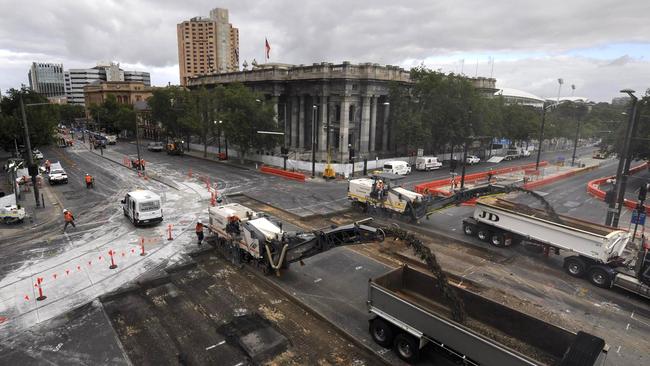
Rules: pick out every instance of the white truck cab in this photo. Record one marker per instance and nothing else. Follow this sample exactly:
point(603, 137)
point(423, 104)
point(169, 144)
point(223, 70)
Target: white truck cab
point(142, 207)
point(397, 167)
point(427, 163)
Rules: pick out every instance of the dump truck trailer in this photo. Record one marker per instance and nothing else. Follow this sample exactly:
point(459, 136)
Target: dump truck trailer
point(604, 254)
point(409, 311)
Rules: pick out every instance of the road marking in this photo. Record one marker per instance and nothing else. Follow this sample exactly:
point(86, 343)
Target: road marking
point(618, 350)
point(358, 267)
point(214, 345)
point(627, 327)
point(318, 280)
point(639, 320)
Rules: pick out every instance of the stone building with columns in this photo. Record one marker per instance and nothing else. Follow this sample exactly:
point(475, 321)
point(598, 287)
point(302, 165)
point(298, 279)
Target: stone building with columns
point(346, 105)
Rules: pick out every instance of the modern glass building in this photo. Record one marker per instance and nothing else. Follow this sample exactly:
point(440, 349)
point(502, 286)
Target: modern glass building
point(47, 79)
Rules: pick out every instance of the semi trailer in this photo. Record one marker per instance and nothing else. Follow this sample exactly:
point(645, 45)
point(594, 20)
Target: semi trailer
point(604, 254)
point(408, 312)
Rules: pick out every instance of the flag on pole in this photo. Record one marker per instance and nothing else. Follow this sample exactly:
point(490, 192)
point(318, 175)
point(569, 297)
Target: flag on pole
point(267, 48)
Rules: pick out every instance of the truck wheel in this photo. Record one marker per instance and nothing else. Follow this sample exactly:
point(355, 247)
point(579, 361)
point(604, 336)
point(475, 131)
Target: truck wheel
point(483, 234)
point(575, 266)
point(600, 277)
point(498, 240)
point(381, 332)
point(406, 348)
point(469, 229)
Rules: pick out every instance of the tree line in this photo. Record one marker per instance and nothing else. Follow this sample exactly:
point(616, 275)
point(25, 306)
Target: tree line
point(42, 118)
point(439, 112)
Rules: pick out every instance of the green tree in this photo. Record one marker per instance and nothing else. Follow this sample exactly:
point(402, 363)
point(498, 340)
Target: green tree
point(41, 119)
point(243, 116)
point(68, 112)
point(112, 116)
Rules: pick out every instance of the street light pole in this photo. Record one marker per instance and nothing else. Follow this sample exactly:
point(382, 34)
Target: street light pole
point(313, 141)
point(541, 137)
point(575, 143)
point(31, 168)
point(613, 214)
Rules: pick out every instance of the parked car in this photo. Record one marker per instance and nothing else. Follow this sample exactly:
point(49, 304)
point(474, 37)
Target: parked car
point(57, 174)
point(155, 146)
point(427, 163)
point(473, 159)
point(37, 154)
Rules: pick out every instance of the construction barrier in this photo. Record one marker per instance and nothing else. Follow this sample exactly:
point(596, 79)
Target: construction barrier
point(283, 173)
point(593, 188)
point(557, 177)
point(431, 187)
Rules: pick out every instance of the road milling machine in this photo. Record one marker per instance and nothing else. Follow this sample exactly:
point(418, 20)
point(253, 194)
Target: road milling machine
point(246, 236)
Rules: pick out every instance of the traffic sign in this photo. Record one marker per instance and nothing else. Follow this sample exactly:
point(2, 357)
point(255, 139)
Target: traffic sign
point(638, 217)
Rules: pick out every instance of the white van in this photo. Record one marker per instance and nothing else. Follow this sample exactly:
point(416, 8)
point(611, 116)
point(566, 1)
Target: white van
point(397, 167)
point(427, 163)
point(57, 174)
point(142, 207)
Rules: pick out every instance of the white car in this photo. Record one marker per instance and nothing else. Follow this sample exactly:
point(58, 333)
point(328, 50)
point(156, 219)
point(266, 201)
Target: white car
point(473, 159)
point(155, 146)
point(37, 154)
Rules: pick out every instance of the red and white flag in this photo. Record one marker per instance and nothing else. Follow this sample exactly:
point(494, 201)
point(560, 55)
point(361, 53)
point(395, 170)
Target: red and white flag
point(267, 48)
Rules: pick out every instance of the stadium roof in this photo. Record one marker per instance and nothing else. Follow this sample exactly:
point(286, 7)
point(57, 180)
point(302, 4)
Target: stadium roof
point(516, 93)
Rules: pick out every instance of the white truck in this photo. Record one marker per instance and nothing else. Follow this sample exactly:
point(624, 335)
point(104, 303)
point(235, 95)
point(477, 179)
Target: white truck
point(142, 207)
point(57, 174)
point(427, 163)
point(599, 252)
point(382, 194)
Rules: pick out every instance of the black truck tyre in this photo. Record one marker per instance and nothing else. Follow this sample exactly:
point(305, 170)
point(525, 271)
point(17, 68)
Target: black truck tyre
point(469, 229)
point(498, 240)
point(600, 277)
point(483, 234)
point(575, 266)
point(406, 347)
point(381, 332)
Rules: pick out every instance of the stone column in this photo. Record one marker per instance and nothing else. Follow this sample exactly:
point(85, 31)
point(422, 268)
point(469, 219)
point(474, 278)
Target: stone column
point(322, 127)
point(301, 122)
point(373, 123)
point(384, 135)
point(344, 128)
point(294, 122)
point(365, 124)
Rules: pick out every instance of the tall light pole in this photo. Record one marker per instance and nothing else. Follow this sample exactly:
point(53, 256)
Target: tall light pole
point(33, 169)
point(614, 212)
point(541, 130)
point(313, 140)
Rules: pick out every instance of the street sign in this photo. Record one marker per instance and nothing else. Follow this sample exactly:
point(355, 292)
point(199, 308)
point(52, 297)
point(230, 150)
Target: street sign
point(638, 217)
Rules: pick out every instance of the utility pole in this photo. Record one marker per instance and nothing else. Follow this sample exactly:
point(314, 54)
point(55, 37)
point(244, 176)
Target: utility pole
point(33, 170)
point(619, 192)
point(541, 138)
point(137, 143)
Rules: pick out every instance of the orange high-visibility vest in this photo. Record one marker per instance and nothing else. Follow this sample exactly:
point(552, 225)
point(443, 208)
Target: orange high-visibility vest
point(199, 227)
point(68, 216)
point(89, 179)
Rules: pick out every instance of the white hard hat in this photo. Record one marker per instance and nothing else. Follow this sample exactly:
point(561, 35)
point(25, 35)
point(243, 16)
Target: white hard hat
point(198, 221)
point(65, 210)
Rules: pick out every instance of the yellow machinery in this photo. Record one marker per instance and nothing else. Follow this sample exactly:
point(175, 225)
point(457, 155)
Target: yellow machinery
point(329, 172)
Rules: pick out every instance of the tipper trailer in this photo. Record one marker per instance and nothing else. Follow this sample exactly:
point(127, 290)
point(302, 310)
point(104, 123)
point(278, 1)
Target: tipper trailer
point(410, 311)
point(604, 254)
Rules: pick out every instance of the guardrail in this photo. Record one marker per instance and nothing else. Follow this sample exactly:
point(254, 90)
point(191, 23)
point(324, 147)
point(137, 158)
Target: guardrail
point(593, 188)
point(283, 173)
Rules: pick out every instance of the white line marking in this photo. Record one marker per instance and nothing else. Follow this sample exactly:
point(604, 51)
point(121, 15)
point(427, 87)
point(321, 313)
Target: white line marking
point(358, 267)
point(214, 345)
point(627, 327)
point(318, 280)
point(618, 350)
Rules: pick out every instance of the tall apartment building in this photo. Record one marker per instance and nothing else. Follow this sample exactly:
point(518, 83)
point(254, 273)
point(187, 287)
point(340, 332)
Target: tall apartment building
point(47, 79)
point(207, 45)
point(79, 78)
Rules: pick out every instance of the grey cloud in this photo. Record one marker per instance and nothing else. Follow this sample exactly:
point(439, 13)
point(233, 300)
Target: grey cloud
point(385, 31)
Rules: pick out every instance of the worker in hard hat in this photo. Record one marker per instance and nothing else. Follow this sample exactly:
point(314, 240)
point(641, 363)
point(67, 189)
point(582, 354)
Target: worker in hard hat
point(89, 181)
point(69, 219)
point(199, 231)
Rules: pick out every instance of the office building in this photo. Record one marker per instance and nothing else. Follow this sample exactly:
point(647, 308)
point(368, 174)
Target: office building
point(47, 79)
point(110, 71)
point(207, 45)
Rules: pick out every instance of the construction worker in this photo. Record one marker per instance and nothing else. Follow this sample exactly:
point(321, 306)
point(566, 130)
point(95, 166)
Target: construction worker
point(89, 181)
point(69, 219)
point(199, 231)
point(233, 225)
point(141, 164)
point(47, 166)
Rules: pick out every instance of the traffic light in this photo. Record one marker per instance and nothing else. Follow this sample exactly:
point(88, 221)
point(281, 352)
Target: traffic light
point(643, 192)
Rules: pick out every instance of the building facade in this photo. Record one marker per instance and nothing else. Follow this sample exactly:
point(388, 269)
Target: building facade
point(125, 92)
point(47, 79)
point(207, 45)
point(347, 106)
point(79, 78)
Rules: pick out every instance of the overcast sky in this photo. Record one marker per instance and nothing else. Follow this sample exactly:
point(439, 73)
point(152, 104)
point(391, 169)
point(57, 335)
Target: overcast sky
point(599, 46)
